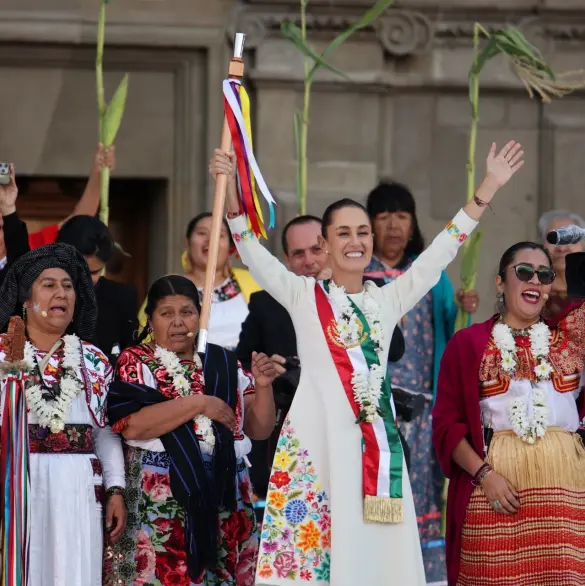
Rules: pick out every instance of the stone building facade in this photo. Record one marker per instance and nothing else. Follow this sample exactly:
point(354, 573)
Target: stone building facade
point(402, 112)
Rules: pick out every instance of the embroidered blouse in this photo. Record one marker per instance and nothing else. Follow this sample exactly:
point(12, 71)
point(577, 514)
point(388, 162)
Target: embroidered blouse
point(86, 409)
point(138, 364)
point(566, 355)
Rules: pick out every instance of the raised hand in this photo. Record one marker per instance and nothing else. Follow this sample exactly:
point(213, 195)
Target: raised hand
point(105, 157)
point(263, 370)
point(501, 166)
point(8, 195)
point(222, 163)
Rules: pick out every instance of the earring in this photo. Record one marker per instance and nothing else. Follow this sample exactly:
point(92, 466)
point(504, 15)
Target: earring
point(23, 313)
point(500, 303)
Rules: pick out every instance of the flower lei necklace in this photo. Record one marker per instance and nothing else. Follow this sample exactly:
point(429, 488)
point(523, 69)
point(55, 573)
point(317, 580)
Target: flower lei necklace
point(52, 414)
point(367, 388)
point(539, 334)
point(171, 363)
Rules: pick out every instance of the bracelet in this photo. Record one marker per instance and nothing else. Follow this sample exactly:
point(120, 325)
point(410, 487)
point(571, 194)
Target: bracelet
point(482, 204)
point(113, 490)
point(480, 476)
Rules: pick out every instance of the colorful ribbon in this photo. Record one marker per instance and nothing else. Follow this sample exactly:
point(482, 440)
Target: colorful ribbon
point(250, 179)
point(15, 478)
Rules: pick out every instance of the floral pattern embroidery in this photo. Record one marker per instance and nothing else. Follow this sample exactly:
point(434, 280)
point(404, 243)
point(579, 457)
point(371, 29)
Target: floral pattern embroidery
point(152, 550)
point(74, 439)
point(243, 236)
point(296, 532)
point(454, 231)
point(226, 291)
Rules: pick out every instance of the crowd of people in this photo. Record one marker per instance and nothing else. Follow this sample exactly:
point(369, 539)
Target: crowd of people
point(311, 442)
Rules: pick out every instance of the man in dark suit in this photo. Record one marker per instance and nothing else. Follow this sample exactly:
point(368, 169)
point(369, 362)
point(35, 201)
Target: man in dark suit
point(268, 328)
point(117, 302)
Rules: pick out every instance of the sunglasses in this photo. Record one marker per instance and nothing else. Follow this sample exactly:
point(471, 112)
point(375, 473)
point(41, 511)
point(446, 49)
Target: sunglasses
point(525, 273)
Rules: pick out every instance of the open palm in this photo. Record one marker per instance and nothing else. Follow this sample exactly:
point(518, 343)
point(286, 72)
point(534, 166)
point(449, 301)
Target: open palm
point(501, 166)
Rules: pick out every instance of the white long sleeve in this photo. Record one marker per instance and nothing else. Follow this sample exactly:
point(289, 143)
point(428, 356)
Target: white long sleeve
point(108, 449)
point(407, 290)
point(267, 270)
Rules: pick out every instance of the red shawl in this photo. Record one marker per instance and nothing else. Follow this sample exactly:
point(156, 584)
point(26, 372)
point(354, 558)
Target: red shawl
point(456, 415)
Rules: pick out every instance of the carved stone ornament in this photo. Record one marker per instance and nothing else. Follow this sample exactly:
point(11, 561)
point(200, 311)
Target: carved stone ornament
point(403, 33)
point(247, 22)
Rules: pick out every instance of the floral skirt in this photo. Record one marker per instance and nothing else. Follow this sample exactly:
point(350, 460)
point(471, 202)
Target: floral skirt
point(152, 549)
point(543, 544)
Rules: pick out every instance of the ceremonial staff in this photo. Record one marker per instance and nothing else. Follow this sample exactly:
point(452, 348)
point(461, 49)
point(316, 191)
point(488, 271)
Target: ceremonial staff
point(236, 132)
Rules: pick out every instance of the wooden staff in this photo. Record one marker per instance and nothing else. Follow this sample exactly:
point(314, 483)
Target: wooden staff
point(235, 71)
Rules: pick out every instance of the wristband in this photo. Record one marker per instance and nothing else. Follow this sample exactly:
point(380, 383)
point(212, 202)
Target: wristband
point(482, 204)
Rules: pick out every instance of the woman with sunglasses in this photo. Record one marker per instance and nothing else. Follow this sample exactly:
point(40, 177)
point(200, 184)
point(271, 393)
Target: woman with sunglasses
point(507, 438)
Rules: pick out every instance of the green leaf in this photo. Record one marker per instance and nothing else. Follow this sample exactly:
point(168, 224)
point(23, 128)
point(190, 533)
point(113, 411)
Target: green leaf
point(366, 20)
point(293, 466)
point(488, 52)
point(272, 511)
point(297, 122)
point(293, 33)
point(470, 260)
point(114, 113)
point(294, 494)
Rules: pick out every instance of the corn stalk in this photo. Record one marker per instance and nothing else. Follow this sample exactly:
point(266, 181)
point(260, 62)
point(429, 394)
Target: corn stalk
point(110, 115)
point(539, 80)
point(313, 62)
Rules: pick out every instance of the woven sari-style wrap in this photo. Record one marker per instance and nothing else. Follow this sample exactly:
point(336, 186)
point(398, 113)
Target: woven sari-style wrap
point(24, 272)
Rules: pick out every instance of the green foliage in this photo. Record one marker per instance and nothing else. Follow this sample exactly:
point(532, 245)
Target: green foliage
point(314, 61)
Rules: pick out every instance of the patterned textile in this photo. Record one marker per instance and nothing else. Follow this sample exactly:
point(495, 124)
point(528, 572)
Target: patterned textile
point(414, 372)
point(152, 551)
point(543, 544)
point(24, 272)
point(296, 532)
point(224, 292)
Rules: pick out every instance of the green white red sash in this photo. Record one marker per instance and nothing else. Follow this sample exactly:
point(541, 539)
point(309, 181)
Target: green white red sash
point(382, 456)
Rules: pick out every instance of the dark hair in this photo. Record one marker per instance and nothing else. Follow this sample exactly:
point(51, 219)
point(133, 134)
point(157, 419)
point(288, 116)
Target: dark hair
point(193, 224)
point(346, 202)
point(89, 235)
point(298, 221)
point(165, 287)
point(510, 254)
point(394, 197)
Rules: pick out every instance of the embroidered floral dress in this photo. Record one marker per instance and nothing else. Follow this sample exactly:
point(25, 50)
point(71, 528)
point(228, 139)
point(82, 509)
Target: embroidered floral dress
point(152, 551)
point(69, 472)
point(228, 311)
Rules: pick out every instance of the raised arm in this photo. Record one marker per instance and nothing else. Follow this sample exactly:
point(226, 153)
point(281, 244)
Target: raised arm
point(267, 270)
point(408, 289)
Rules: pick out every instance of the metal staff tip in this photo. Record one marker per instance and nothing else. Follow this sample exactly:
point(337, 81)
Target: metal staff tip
point(239, 45)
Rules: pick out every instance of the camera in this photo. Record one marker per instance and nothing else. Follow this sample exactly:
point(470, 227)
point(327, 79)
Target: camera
point(286, 384)
point(4, 173)
point(409, 406)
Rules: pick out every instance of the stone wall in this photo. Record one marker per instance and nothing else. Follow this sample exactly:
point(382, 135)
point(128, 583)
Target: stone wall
point(403, 112)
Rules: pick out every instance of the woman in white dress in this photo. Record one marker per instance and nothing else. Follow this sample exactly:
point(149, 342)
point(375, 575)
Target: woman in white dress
point(76, 461)
point(339, 506)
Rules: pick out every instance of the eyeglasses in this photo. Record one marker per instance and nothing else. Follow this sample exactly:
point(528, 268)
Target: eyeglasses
point(525, 272)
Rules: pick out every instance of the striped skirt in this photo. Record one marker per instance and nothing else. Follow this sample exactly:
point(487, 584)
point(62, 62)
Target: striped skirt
point(543, 544)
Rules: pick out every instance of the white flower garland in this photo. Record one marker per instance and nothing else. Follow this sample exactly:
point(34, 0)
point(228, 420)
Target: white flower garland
point(171, 363)
point(367, 389)
point(52, 414)
point(539, 335)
